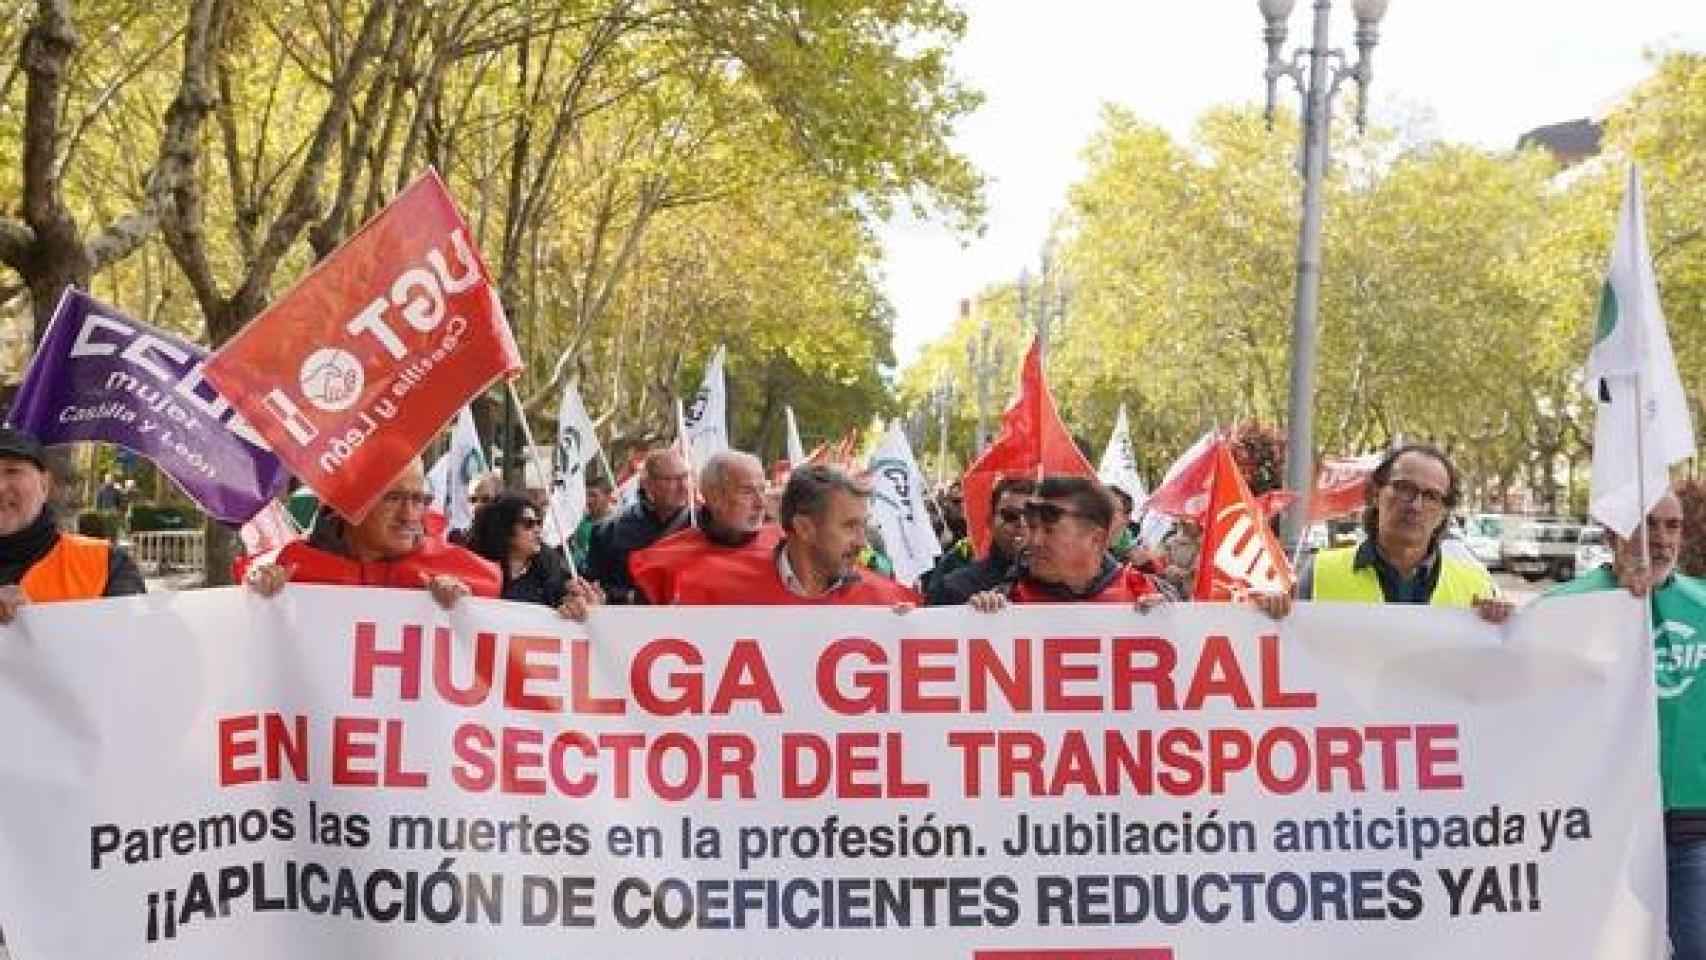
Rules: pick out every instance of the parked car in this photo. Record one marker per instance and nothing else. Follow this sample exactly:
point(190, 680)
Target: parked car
point(1541, 547)
point(1482, 532)
point(1592, 549)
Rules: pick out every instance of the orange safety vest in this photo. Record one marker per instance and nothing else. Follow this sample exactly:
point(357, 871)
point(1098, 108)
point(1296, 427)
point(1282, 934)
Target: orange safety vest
point(75, 569)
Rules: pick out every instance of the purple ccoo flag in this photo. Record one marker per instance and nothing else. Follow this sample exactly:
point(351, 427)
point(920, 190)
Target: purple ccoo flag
point(99, 375)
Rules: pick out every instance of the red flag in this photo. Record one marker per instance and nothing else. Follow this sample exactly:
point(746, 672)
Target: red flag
point(1342, 486)
point(1275, 501)
point(1189, 483)
point(352, 372)
point(1240, 554)
point(1032, 440)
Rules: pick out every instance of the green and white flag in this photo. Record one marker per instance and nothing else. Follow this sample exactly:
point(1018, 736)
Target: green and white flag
point(705, 423)
point(1643, 424)
point(1119, 463)
point(898, 507)
point(577, 446)
point(453, 477)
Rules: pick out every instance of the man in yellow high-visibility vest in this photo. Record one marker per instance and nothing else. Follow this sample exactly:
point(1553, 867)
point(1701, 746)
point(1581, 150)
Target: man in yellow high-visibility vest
point(1411, 495)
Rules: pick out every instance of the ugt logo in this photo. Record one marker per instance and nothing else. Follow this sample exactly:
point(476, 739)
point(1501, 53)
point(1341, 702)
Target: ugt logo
point(331, 379)
point(1243, 555)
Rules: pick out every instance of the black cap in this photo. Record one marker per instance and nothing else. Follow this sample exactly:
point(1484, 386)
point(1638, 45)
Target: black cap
point(18, 445)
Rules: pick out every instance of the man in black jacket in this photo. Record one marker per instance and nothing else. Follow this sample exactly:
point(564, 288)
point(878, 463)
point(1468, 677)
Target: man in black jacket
point(660, 511)
point(1006, 540)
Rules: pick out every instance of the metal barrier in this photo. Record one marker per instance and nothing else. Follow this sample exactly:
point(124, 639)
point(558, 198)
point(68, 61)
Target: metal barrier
point(162, 553)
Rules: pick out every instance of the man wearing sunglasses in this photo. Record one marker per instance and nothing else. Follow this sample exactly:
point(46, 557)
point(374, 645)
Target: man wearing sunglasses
point(1068, 526)
point(732, 487)
point(1006, 543)
point(1411, 495)
point(387, 548)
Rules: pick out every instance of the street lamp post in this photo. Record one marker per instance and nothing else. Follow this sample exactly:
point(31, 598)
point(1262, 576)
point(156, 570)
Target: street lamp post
point(1048, 304)
point(1317, 83)
point(944, 396)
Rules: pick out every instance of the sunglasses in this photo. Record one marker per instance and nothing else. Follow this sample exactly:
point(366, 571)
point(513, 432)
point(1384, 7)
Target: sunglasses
point(528, 523)
point(396, 498)
point(1043, 513)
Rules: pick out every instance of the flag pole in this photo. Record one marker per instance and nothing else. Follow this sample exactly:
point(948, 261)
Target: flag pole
point(556, 521)
point(687, 454)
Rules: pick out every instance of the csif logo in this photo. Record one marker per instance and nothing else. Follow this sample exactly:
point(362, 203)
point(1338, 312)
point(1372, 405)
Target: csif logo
point(1677, 658)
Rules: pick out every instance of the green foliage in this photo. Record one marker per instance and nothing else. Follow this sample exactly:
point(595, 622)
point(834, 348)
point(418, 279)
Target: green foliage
point(1457, 287)
point(99, 523)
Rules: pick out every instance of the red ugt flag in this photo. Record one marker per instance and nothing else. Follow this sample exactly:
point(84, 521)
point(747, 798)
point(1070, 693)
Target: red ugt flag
point(1240, 554)
point(1033, 440)
point(1342, 486)
point(353, 371)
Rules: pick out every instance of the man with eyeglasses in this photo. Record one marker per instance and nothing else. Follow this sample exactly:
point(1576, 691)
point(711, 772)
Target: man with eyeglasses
point(660, 510)
point(1068, 526)
point(1411, 495)
point(731, 520)
point(1645, 564)
point(1006, 544)
point(387, 548)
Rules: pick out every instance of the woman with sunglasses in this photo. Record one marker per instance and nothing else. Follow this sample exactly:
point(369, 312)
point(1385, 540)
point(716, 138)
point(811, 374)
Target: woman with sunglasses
point(507, 531)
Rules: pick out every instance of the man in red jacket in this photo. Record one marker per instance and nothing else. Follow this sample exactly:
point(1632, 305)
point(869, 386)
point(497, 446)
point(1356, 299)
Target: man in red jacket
point(732, 520)
point(823, 518)
point(1068, 525)
point(388, 548)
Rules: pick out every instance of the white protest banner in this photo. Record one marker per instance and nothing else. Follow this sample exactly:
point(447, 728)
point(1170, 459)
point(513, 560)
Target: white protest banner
point(355, 773)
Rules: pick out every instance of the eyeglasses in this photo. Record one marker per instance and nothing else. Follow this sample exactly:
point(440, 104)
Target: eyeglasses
point(526, 522)
point(1010, 515)
point(396, 498)
point(1410, 493)
point(1045, 514)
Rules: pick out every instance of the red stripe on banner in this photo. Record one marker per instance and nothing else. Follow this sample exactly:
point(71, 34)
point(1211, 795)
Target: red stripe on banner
point(1133, 953)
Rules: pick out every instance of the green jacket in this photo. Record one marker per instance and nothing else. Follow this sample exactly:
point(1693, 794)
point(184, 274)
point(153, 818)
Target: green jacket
point(1679, 648)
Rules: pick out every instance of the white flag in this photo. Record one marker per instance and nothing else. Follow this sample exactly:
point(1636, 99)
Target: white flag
point(707, 417)
point(897, 503)
point(1643, 424)
point(1119, 464)
point(577, 446)
point(796, 449)
point(453, 477)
